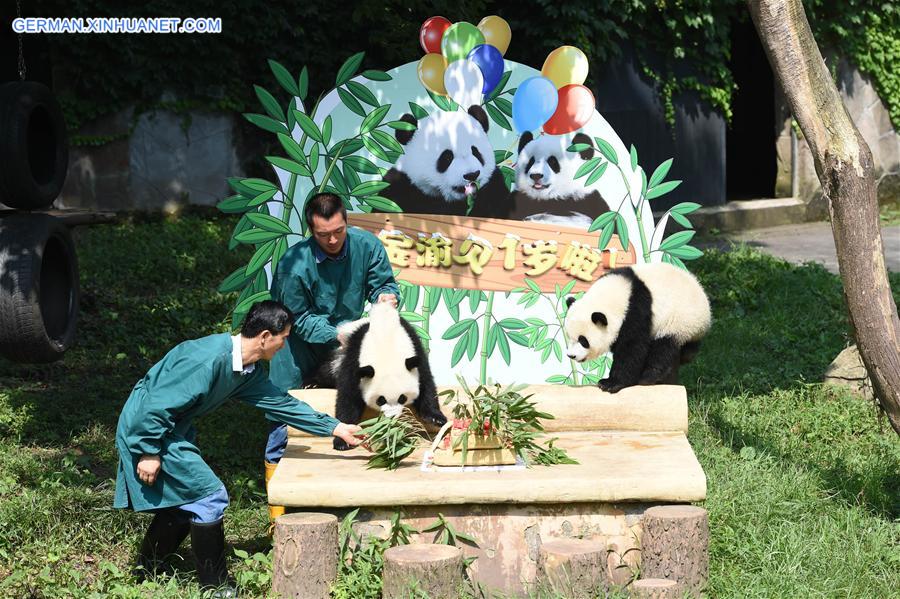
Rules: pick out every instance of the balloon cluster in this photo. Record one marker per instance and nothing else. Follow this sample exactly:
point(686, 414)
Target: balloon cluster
point(463, 61)
point(556, 99)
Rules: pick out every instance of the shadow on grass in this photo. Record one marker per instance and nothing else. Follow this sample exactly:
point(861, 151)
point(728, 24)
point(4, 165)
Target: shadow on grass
point(776, 329)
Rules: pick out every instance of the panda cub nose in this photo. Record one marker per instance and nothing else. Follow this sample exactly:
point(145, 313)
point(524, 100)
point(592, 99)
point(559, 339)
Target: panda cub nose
point(536, 177)
point(471, 176)
point(401, 400)
point(381, 400)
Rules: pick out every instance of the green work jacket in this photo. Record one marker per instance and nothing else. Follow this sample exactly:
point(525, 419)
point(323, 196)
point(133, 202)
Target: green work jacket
point(322, 295)
point(194, 378)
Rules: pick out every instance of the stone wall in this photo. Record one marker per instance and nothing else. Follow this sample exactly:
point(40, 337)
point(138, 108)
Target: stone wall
point(874, 123)
point(158, 161)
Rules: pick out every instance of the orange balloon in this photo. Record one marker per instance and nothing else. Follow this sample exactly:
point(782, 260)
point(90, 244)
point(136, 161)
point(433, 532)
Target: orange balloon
point(431, 72)
point(496, 32)
point(565, 65)
point(574, 110)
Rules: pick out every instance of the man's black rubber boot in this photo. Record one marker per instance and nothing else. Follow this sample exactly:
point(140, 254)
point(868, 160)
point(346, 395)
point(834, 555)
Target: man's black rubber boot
point(208, 540)
point(165, 534)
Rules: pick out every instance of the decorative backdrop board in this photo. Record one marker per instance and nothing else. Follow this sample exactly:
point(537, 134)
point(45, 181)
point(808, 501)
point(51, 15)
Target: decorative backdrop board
point(484, 265)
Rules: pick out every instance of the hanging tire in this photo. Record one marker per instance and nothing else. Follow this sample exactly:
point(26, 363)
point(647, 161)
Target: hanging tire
point(39, 291)
point(34, 151)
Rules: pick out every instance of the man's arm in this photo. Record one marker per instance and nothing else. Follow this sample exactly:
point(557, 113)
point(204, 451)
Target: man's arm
point(380, 276)
point(290, 291)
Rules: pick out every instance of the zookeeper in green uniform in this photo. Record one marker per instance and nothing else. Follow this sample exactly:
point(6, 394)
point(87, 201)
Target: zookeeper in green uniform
point(324, 280)
point(160, 466)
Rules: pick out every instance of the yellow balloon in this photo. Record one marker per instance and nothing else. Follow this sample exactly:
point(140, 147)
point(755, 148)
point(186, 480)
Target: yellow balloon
point(431, 72)
point(496, 32)
point(567, 65)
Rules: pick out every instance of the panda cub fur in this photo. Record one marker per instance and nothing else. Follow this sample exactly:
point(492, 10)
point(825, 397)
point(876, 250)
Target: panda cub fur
point(650, 316)
point(383, 366)
point(447, 158)
point(546, 188)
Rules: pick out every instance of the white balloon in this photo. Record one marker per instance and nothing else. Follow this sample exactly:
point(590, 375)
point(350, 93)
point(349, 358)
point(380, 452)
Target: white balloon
point(464, 82)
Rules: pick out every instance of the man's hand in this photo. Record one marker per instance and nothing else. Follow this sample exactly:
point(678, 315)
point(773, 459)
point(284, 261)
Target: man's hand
point(148, 468)
point(348, 434)
point(389, 298)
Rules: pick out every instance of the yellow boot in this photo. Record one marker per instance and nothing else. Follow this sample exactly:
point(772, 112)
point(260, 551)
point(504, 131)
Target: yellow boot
point(274, 510)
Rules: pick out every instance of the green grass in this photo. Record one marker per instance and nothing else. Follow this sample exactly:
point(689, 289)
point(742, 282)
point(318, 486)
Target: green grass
point(804, 482)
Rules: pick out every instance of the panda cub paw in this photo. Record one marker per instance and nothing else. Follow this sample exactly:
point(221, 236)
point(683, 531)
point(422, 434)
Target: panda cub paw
point(341, 445)
point(437, 420)
point(610, 386)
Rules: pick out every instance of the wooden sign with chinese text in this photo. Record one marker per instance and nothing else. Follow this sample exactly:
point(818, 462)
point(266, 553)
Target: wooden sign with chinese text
point(491, 254)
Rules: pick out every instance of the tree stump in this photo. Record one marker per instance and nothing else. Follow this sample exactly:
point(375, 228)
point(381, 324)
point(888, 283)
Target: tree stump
point(306, 555)
point(573, 567)
point(436, 570)
point(654, 588)
point(675, 546)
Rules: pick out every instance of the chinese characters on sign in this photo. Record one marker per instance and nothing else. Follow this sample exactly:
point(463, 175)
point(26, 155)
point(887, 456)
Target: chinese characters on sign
point(576, 259)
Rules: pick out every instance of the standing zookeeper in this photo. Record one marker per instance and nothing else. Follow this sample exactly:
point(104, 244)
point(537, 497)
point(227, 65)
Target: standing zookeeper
point(325, 280)
point(160, 466)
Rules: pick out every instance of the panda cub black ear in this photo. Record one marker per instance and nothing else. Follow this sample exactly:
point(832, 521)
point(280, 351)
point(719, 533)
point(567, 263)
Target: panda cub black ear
point(478, 113)
point(569, 301)
point(526, 139)
point(404, 136)
point(581, 138)
point(366, 372)
point(599, 318)
point(412, 362)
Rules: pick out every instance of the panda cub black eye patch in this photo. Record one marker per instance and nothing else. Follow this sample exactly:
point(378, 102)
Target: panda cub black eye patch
point(529, 165)
point(401, 400)
point(444, 161)
point(477, 155)
point(381, 400)
point(583, 342)
point(554, 164)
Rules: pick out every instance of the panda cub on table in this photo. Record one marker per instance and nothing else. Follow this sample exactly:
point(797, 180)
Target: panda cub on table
point(447, 158)
point(382, 366)
point(651, 316)
point(546, 188)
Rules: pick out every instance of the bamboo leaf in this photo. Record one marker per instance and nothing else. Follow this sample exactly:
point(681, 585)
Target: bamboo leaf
point(236, 280)
point(605, 235)
point(634, 158)
point(374, 118)
point(491, 341)
point(369, 188)
point(685, 207)
point(607, 150)
point(234, 204)
point(501, 155)
point(677, 240)
point(253, 236)
point(417, 111)
point(351, 102)
point(348, 69)
point(457, 329)
point(387, 140)
point(280, 249)
point(498, 117)
point(284, 77)
point(473, 339)
point(500, 85)
point(401, 125)
point(382, 204)
point(503, 343)
point(512, 324)
point(266, 123)
point(362, 165)
point(660, 173)
point(587, 167)
point(601, 221)
point(247, 303)
point(289, 165)
point(622, 229)
point(686, 252)
point(260, 257)
point(557, 379)
point(595, 176)
point(532, 285)
point(505, 106)
point(681, 220)
point(373, 75)
point(269, 103)
point(308, 126)
point(326, 131)
point(375, 149)
point(442, 102)
point(268, 223)
point(314, 157)
point(292, 148)
point(662, 189)
point(363, 93)
point(459, 350)
point(303, 84)
point(517, 338)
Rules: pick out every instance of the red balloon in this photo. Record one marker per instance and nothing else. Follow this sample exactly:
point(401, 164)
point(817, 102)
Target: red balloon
point(431, 33)
point(574, 110)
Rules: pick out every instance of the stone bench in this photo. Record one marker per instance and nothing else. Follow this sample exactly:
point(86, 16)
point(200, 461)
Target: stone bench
point(632, 453)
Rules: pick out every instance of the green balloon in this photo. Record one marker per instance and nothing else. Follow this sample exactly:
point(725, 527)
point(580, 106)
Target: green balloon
point(459, 39)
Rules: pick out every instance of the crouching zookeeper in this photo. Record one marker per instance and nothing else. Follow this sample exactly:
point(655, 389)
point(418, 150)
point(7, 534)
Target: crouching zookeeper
point(160, 466)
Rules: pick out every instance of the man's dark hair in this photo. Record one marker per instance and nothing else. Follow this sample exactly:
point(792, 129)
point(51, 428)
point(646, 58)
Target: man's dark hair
point(267, 315)
point(324, 205)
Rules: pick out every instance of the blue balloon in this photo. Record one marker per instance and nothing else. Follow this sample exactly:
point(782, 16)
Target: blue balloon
point(534, 103)
point(490, 61)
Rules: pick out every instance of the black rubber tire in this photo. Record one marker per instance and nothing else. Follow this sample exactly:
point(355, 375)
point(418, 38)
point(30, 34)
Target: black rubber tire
point(34, 152)
point(39, 290)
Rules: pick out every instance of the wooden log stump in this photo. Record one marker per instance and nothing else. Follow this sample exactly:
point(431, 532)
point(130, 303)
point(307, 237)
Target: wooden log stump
point(675, 546)
point(654, 588)
point(436, 570)
point(306, 555)
point(573, 567)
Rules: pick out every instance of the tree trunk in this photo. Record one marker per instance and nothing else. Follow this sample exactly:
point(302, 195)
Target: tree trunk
point(675, 546)
point(433, 570)
point(654, 588)
point(845, 169)
point(306, 555)
point(572, 567)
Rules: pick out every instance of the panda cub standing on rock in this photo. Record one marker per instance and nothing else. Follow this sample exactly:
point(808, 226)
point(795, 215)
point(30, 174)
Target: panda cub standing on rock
point(650, 316)
point(381, 365)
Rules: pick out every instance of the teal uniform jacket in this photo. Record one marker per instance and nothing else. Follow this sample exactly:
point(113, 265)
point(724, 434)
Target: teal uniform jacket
point(323, 295)
point(194, 378)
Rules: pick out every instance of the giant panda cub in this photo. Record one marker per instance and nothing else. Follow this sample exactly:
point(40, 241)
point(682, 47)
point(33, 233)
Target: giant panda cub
point(383, 366)
point(651, 316)
point(546, 188)
point(446, 159)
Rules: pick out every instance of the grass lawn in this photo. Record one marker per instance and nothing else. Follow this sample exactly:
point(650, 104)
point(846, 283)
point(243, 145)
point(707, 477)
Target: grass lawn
point(804, 482)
